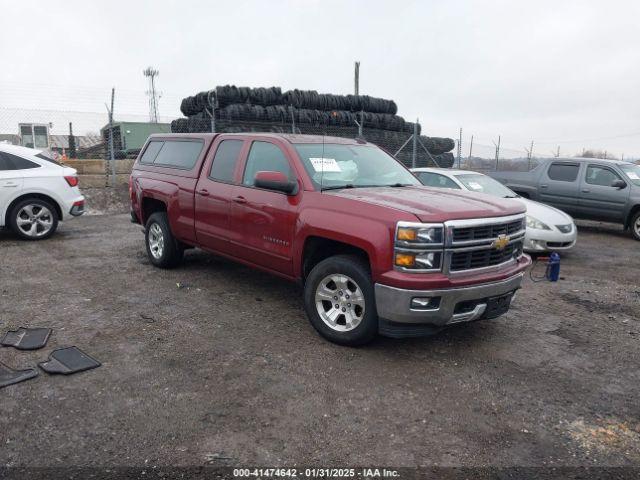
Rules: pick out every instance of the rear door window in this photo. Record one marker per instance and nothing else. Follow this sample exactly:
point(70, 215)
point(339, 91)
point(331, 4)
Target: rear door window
point(182, 154)
point(9, 161)
point(151, 152)
point(225, 160)
point(563, 172)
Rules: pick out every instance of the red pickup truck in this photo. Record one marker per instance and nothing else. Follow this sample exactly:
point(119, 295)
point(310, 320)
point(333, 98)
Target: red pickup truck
point(376, 251)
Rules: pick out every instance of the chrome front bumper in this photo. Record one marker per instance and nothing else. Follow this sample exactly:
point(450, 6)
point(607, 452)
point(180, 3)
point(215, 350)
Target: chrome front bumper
point(394, 304)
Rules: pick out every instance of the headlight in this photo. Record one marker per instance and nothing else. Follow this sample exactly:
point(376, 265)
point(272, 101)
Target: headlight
point(536, 224)
point(418, 234)
point(419, 246)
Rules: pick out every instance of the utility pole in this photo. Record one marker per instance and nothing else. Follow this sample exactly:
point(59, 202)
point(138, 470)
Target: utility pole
point(459, 147)
point(529, 155)
point(470, 149)
point(414, 153)
point(497, 145)
point(112, 157)
point(557, 154)
point(73, 152)
point(356, 89)
point(151, 74)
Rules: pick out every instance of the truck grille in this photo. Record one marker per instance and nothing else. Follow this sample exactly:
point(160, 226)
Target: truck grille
point(484, 232)
point(481, 243)
point(486, 257)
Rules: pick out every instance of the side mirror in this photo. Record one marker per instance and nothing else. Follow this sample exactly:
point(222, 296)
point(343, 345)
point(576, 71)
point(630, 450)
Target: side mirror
point(277, 181)
point(619, 184)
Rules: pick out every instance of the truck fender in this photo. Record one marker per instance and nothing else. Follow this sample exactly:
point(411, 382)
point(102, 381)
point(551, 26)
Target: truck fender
point(164, 192)
point(369, 235)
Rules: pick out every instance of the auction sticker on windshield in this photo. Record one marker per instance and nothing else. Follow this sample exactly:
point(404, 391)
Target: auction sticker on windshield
point(325, 164)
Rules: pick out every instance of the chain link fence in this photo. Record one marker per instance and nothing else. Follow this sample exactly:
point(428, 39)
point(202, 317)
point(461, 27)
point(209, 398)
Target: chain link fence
point(232, 109)
point(78, 124)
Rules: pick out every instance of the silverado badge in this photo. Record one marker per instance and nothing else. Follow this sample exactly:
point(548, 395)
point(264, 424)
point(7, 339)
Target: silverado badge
point(500, 243)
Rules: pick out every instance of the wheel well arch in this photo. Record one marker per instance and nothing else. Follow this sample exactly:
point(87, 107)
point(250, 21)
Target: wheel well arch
point(635, 209)
point(317, 249)
point(151, 206)
point(26, 196)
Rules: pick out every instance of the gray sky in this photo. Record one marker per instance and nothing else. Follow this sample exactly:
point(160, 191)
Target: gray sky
point(558, 72)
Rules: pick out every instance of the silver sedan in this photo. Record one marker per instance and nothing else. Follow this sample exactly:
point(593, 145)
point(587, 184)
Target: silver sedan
point(548, 229)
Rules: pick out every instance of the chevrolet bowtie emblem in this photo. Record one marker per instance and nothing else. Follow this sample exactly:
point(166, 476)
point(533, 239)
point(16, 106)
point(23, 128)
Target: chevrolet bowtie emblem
point(500, 243)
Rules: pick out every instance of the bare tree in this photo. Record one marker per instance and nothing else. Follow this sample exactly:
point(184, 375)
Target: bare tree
point(596, 153)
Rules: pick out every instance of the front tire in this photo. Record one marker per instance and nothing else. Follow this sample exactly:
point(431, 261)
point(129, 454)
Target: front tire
point(635, 226)
point(163, 249)
point(33, 219)
point(340, 302)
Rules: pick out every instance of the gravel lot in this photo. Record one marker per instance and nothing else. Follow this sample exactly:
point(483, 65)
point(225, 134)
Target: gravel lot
point(215, 364)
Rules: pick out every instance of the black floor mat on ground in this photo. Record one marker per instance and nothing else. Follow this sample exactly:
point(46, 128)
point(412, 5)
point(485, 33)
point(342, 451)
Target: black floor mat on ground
point(68, 360)
point(9, 376)
point(26, 338)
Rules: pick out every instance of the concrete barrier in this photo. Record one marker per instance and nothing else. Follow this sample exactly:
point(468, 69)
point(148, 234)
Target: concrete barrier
point(96, 173)
point(97, 167)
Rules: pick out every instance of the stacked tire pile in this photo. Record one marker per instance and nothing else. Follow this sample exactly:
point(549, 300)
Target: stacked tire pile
point(244, 109)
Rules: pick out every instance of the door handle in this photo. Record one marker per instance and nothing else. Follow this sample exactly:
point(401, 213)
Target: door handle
point(240, 199)
point(585, 190)
point(10, 184)
point(544, 185)
point(203, 192)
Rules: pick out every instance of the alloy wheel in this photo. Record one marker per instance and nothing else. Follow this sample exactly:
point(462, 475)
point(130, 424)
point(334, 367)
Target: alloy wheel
point(340, 302)
point(156, 241)
point(34, 220)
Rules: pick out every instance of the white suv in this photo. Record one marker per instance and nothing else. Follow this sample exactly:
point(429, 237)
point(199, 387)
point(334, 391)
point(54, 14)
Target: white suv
point(36, 192)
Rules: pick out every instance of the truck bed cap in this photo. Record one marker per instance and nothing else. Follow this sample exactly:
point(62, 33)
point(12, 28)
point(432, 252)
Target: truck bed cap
point(289, 137)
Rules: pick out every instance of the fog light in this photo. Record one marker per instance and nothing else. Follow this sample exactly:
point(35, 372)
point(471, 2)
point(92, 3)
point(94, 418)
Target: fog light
point(405, 259)
point(425, 303)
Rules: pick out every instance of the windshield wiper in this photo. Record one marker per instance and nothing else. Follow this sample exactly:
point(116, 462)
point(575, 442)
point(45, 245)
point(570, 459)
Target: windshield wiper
point(351, 185)
point(511, 196)
point(338, 187)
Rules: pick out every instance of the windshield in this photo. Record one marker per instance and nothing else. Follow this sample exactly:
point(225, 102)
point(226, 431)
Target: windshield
point(332, 166)
point(632, 172)
point(477, 182)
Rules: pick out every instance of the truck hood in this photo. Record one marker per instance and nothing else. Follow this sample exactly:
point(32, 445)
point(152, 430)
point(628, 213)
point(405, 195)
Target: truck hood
point(434, 204)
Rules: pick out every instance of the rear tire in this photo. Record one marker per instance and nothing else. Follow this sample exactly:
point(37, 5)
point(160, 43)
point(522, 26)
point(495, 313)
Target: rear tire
point(340, 302)
point(33, 219)
point(163, 249)
point(634, 226)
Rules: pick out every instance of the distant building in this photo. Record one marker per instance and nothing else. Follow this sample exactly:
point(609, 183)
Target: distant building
point(129, 137)
point(58, 143)
point(34, 135)
point(10, 138)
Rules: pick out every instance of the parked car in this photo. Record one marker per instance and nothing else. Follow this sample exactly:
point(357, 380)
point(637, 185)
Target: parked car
point(376, 251)
point(588, 188)
point(547, 228)
point(36, 192)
